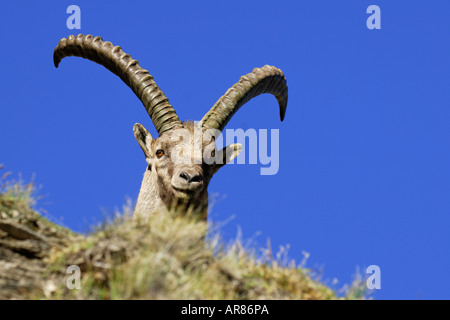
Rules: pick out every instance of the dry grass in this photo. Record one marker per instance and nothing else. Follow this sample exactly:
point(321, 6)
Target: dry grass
point(169, 257)
point(16, 191)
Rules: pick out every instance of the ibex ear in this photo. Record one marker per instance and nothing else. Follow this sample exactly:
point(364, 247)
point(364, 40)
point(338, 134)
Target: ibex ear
point(144, 138)
point(227, 154)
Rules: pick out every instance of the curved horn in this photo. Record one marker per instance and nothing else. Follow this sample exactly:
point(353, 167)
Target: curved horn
point(267, 79)
point(121, 64)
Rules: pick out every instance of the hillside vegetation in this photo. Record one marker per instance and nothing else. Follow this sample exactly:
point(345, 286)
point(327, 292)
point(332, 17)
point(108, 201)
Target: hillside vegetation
point(167, 258)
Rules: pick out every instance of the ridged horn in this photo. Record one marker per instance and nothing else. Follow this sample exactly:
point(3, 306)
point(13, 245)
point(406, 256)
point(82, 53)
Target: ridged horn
point(126, 68)
point(267, 79)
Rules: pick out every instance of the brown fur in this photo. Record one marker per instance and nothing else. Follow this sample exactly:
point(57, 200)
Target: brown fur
point(163, 187)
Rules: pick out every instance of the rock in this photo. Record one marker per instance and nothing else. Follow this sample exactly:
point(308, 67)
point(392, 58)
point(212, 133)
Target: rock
point(26, 240)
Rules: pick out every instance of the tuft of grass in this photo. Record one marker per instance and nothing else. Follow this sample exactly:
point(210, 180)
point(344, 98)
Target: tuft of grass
point(17, 202)
point(16, 191)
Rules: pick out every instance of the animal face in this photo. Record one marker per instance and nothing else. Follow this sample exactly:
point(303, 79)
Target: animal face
point(182, 161)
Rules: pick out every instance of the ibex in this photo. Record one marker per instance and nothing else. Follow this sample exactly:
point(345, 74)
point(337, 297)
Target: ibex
point(166, 182)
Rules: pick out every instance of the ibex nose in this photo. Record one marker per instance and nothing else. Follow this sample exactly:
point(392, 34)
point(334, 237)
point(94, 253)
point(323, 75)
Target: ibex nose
point(185, 176)
point(196, 177)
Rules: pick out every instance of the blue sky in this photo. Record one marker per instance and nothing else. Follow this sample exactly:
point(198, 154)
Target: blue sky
point(364, 149)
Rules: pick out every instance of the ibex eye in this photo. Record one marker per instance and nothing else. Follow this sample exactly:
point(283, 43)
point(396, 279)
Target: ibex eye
point(159, 153)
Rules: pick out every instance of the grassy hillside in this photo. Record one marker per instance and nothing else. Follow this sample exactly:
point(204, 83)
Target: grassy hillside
point(167, 258)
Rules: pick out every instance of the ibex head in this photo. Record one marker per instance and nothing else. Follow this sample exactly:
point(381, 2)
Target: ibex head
point(182, 160)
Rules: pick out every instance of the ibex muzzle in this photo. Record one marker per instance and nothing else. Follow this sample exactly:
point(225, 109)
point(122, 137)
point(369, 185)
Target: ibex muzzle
point(179, 168)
